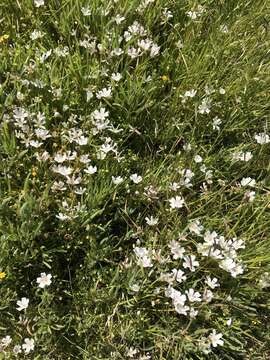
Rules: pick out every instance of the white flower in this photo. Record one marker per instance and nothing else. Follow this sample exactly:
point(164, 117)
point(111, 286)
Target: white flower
point(135, 287)
point(143, 257)
point(229, 322)
point(179, 275)
point(131, 352)
point(17, 349)
point(116, 77)
point(176, 202)
point(38, 3)
point(250, 196)
point(216, 123)
point(145, 44)
point(193, 313)
point(190, 93)
point(224, 28)
point(62, 170)
point(181, 309)
point(195, 227)
point(198, 159)
point(35, 143)
point(42, 134)
point(135, 178)
point(63, 217)
point(231, 266)
point(45, 56)
point(28, 345)
point(212, 283)
point(43, 157)
point(264, 281)
point(104, 93)
point(241, 155)
point(215, 339)
point(22, 304)
point(90, 170)
point(176, 296)
point(44, 280)
point(174, 186)
point(248, 182)
point(190, 262)
point(262, 138)
point(154, 50)
point(117, 180)
point(204, 107)
point(84, 159)
point(118, 19)
point(100, 114)
point(192, 14)
point(86, 11)
point(222, 91)
point(36, 34)
point(193, 296)
point(117, 52)
point(151, 221)
point(6, 341)
point(176, 250)
point(133, 52)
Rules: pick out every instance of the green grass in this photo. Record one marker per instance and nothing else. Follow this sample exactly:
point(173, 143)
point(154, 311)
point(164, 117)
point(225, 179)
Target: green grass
point(90, 310)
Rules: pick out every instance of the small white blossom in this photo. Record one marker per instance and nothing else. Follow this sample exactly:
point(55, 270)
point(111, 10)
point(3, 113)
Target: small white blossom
point(212, 283)
point(38, 3)
point(193, 296)
point(86, 11)
point(204, 107)
point(198, 159)
point(176, 250)
point(117, 180)
point(250, 195)
point(262, 138)
point(44, 280)
point(28, 345)
point(22, 304)
point(135, 178)
point(179, 275)
point(6, 341)
point(216, 339)
point(143, 257)
point(193, 313)
point(119, 19)
point(177, 202)
point(195, 227)
point(248, 182)
point(216, 122)
point(116, 77)
point(90, 170)
point(105, 93)
point(190, 262)
point(62, 170)
point(100, 114)
point(17, 349)
point(231, 266)
point(36, 34)
point(151, 221)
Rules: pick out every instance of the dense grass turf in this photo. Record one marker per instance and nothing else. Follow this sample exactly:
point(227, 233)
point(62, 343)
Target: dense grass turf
point(134, 147)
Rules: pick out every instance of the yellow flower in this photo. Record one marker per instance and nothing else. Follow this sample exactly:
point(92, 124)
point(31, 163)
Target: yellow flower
point(165, 77)
point(2, 275)
point(3, 38)
point(34, 172)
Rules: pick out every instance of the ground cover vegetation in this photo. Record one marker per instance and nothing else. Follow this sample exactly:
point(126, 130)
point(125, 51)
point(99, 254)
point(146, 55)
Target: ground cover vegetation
point(135, 186)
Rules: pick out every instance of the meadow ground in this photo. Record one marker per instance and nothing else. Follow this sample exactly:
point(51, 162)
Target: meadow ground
point(135, 184)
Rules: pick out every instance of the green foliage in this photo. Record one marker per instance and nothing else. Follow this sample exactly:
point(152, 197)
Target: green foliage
point(85, 238)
